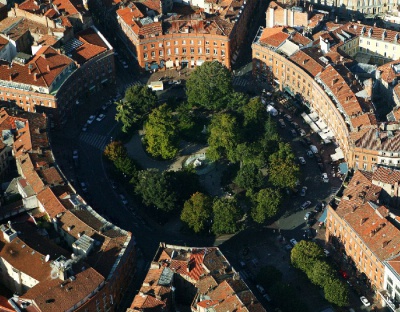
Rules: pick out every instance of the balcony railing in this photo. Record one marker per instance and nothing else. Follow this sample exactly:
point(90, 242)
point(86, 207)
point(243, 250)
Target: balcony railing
point(389, 302)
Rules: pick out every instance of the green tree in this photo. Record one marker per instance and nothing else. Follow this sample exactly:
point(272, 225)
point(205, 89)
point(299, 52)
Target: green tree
point(249, 153)
point(184, 183)
point(138, 101)
point(249, 177)
point(226, 214)
point(254, 117)
point(237, 100)
point(223, 137)
point(336, 292)
point(209, 86)
point(321, 273)
point(282, 170)
point(115, 150)
point(161, 133)
point(153, 187)
point(305, 254)
point(197, 212)
point(126, 166)
point(267, 205)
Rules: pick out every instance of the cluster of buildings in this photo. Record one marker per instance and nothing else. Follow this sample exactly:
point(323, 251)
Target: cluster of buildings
point(56, 252)
point(51, 56)
point(200, 278)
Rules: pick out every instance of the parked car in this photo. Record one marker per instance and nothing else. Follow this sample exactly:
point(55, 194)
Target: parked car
point(319, 207)
point(294, 125)
point(293, 132)
point(308, 233)
point(310, 222)
point(267, 297)
point(91, 119)
point(302, 132)
point(84, 128)
point(326, 252)
point(318, 157)
point(75, 154)
point(304, 143)
point(261, 289)
point(288, 117)
point(308, 215)
point(365, 301)
point(303, 191)
point(344, 274)
point(321, 167)
point(302, 160)
point(177, 82)
point(123, 199)
point(310, 154)
point(282, 123)
point(305, 205)
point(324, 177)
point(307, 139)
point(101, 117)
point(84, 187)
point(293, 242)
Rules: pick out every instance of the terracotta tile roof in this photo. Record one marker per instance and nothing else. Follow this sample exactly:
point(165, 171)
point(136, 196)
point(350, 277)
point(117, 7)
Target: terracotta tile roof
point(66, 6)
point(51, 176)
point(386, 175)
point(66, 22)
point(3, 43)
point(315, 20)
point(300, 39)
point(65, 297)
point(341, 89)
point(387, 71)
point(92, 46)
point(274, 40)
point(368, 219)
point(50, 202)
point(147, 303)
point(51, 13)
point(307, 62)
point(48, 40)
point(30, 174)
point(395, 264)
point(152, 5)
point(367, 119)
point(396, 91)
point(374, 139)
point(204, 284)
point(5, 306)
point(30, 6)
point(371, 32)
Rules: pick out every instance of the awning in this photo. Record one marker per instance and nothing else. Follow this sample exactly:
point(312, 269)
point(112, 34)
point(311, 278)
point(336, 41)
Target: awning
point(314, 116)
point(192, 63)
point(277, 81)
point(314, 127)
point(338, 154)
point(154, 66)
point(344, 168)
point(199, 62)
point(169, 64)
point(322, 218)
point(146, 66)
point(176, 63)
point(104, 80)
point(287, 89)
point(321, 124)
point(161, 63)
point(306, 118)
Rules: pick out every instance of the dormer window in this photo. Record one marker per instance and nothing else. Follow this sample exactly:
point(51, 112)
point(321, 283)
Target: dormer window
point(396, 37)
point(363, 30)
point(384, 34)
point(370, 32)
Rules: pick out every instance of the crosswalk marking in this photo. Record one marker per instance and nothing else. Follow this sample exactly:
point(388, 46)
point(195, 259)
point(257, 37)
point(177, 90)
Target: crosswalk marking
point(334, 190)
point(95, 140)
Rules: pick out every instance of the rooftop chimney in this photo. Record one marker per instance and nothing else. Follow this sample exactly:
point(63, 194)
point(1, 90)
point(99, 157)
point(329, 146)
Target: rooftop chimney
point(48, 67)
point(35, 76)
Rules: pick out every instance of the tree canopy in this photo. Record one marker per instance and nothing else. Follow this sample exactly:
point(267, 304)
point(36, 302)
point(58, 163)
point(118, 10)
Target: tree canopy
point(336, 292)
point(154, 189)
point(226, 214)
point(267, 205)
point(115, 150)
point(283, 171)
point(209, 86)
point(161, 133)
point(197, 212)
point(223, 137)
point(254, 117)
point(249, 177)
point(304, 254)
point(138, 101)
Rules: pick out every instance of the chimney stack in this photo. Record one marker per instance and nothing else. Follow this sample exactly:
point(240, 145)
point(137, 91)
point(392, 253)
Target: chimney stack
point(48, 67)
point(35, 76)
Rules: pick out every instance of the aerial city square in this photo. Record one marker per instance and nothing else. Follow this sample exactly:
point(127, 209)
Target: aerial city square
point(200, 155)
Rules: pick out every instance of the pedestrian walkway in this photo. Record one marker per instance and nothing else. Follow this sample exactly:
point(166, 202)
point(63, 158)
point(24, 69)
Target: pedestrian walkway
point(334, 190)
point(96, 140)
point(239, 81)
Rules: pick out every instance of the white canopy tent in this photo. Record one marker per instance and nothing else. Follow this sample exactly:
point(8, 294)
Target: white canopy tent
point(306, 118)
point(338, 154)
point(314, 116)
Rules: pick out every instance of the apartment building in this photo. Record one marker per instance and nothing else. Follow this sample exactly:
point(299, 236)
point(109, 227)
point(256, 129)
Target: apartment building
point(363, 229)
point(196, 278)
point(50, 81)
point(89, 272)
point(281, 14)
point(185, 36)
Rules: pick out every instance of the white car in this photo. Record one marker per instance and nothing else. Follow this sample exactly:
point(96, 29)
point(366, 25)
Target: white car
point(302, 132)
point(123, 199)
point(91, 119)
point(293, 242)
point(75, 154)
point(101, 117)
point(308, 215)
point(84, 128)
point(324, 177)
point(365, 301)
point(302, 160)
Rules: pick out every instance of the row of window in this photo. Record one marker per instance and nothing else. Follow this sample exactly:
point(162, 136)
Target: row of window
point(183, 42)
point(184, 51)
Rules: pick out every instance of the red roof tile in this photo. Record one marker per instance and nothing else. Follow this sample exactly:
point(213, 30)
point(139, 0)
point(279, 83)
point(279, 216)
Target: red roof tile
point(50, 202)
point(386, 175)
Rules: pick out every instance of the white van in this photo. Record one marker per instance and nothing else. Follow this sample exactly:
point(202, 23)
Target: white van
point(271, 110)
point(156, 85)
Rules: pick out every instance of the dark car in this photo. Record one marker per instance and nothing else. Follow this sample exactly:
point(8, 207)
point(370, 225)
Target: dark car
point(319, 207)
point(321, 167)
point(318, 158)
point(310, 222)
point(308, 234)
point(307, 139)
point(304, 143)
